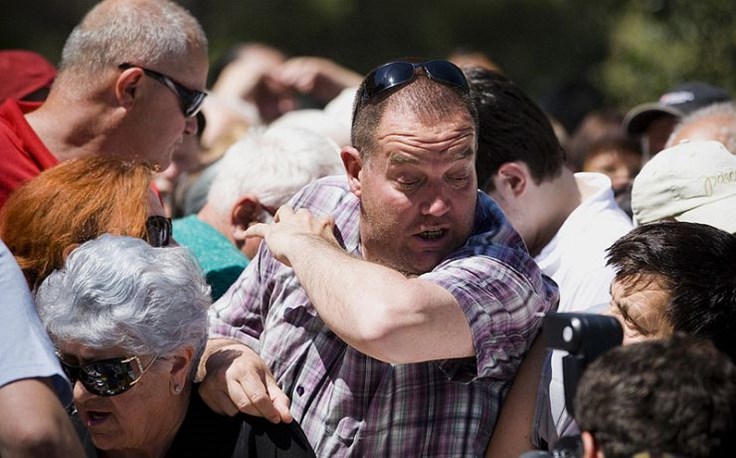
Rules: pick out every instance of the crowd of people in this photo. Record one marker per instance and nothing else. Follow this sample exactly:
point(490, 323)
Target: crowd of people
point(294, 259)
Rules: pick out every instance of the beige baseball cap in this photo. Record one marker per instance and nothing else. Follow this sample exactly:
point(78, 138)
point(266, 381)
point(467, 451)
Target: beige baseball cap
point(693, 181)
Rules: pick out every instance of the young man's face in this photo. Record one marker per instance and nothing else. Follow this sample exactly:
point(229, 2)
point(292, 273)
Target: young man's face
point(418, 190)
point(639, 304)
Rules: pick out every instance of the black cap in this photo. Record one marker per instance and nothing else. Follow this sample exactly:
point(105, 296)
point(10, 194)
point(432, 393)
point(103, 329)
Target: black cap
point(678, 102)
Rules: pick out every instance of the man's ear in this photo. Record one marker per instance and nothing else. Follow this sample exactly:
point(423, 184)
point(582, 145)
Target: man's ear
point(181, 364)
point(512, 177)
point(126, 86)
point(591, 449)
point(353, 164)
point(245, 211)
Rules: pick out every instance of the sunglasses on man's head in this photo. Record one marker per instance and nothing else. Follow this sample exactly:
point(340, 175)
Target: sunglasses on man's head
point(158, 231)
point(189, 99)
point(395, 74)
point(109, 377)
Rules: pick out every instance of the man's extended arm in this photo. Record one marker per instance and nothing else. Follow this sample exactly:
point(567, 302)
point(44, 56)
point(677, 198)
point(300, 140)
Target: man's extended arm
point(375, 309)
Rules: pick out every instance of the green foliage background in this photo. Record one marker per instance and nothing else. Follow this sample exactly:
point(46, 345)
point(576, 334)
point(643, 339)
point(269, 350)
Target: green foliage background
point(631, 50)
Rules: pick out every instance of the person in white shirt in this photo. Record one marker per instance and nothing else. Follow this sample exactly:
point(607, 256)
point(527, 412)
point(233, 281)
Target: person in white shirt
point(566, 220)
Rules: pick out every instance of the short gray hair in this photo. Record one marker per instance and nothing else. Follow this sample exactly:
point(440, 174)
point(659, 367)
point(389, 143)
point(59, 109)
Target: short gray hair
point(119, 291)
point(725, 134)
point(273, 164)
point(141, 32)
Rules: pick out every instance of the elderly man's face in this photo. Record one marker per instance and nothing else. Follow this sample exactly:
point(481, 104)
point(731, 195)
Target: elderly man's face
point(639, 304)
point(132, 420)
point(160, 124)
point(418, 190)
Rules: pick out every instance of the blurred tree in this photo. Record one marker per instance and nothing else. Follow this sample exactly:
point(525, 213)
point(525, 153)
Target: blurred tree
point(539, 43)
point(563, 52)
point(40, 26)
point(657, 44)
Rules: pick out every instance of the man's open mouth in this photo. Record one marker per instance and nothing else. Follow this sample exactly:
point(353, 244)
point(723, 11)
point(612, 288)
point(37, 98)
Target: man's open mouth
point(432, 235)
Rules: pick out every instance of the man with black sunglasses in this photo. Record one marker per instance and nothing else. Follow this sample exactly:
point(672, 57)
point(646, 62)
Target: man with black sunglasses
point(388, 310)
point(130, 81)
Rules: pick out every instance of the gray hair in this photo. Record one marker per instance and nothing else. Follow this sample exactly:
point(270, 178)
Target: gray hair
point(273, 164)
point(141, 32)
point(121, 292)
point(724, 133)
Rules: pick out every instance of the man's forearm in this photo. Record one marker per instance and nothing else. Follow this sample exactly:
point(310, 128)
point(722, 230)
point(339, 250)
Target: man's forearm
point(378, 310)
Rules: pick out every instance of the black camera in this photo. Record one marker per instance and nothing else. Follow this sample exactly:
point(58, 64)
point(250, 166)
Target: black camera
point(584, 336)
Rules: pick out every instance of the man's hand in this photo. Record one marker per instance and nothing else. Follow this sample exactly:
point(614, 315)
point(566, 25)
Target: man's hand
point(288, 227)
point(238, 380)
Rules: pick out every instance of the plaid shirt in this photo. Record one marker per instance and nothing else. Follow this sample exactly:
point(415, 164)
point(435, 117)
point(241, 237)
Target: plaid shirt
point(350, 404)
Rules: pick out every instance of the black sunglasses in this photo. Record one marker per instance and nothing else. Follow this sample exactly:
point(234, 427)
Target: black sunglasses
point(109, 377)
point(158, 231)
point(190, 99)
point(399, 73)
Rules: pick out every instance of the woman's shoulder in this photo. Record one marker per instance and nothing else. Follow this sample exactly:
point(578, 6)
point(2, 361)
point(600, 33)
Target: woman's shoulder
point(206, 433)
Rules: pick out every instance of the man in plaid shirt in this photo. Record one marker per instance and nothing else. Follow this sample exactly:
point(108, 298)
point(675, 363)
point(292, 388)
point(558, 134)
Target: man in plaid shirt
point(387, 311)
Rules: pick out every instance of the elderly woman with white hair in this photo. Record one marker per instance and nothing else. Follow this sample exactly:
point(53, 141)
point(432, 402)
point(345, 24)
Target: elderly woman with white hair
point(129, 322)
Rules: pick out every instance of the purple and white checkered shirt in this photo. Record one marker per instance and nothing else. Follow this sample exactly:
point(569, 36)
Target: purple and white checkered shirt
point(350, 404)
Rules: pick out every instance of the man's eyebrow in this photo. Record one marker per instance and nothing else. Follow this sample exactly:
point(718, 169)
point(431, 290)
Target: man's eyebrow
point(624, 309)
point(399, 159)
point(462, 154)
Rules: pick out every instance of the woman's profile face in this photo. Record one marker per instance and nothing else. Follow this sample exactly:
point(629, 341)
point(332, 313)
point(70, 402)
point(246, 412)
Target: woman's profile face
point(135, 419)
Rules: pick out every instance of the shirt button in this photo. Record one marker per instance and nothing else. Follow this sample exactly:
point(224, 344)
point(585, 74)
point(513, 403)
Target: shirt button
point(300, 390)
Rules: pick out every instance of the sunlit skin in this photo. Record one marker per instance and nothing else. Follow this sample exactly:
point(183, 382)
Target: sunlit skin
point(143, 419)
point(418, 191)
point(621, 166)
point(639, 303)
point(162, 124)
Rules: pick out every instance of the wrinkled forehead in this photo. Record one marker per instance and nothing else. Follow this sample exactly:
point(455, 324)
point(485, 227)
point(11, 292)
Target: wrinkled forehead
point(450, 130)
point(638, 281)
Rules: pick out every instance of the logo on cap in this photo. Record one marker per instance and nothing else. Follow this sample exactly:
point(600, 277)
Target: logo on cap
point(677, 98)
